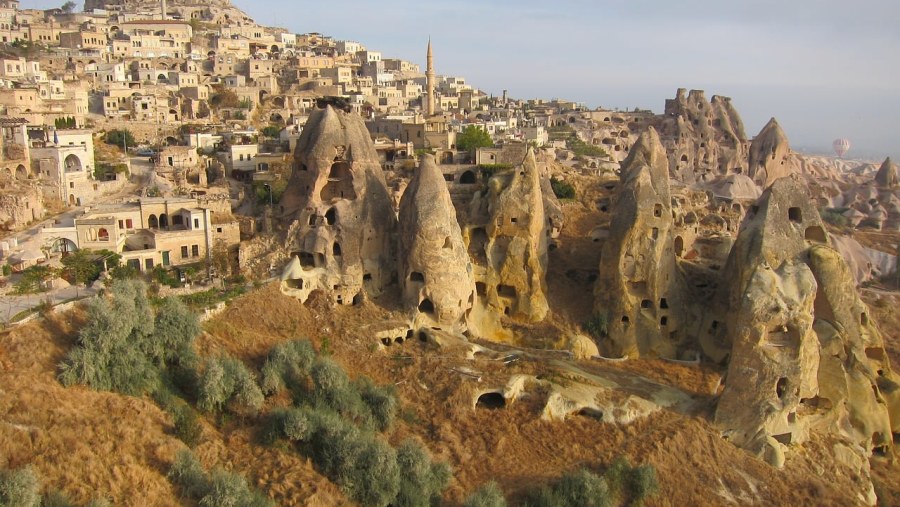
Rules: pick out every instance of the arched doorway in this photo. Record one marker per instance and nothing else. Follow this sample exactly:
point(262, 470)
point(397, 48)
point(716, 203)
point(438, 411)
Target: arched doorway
point(152, 222)
point(72, 163)
point(467, 178)
point(72, 200)
point(21, 172)
point(163, 220)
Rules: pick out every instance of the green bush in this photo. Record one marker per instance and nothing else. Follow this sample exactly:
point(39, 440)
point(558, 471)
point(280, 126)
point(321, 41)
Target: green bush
point(188, 474)
point(380, 401)
point(120, 348)
point(226, 380)
point(33, 278)
point(288, 366)
point(120, 138)
point(597, 326)
point(187, 427)
point(230, 489)
point(488, 495)
point(642, 483)
point(332, 388)
point(578, 489)
point(19, 488)
point(834, 216)
point(422, 480)
point(57, 498)
point(562, 189)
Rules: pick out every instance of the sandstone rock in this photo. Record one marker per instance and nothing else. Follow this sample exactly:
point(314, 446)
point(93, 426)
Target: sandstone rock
point(703, 139)
point(779, 227)
point(770, 155)
point(736, 187)
point(582, 347)
point(887, 174)
point(434, 266)
point(338, 206)
point(639, 288)
point(855, 374)
point(804, 355)
point(774, 361)
point(507, 240)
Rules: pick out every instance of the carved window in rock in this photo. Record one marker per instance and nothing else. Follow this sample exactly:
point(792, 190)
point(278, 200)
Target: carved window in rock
point(415, 276)
point(657, 210)
point(336, 249)
point(426, 306)
point(340, 183)
point(795, 215)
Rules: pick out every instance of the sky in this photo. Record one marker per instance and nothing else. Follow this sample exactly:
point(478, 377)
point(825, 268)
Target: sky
point(824, 68)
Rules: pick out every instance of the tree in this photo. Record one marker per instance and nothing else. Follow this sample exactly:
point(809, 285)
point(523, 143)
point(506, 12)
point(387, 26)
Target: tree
point(472, 138)
point(33, 279)
point(81, 267)
point(119, 137)
point(68, 7)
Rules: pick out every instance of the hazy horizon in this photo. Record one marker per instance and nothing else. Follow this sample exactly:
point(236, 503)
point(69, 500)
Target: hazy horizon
point(821, 67)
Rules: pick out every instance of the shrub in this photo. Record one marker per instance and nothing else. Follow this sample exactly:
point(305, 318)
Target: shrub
point(188, 474)
point(488, 495)
point(333, 389)
point(578, 489)
point(220, 489)
point(288, 365)
point(120, 347)
point(19, 488)
point(292, 424)
point(642, 483)
point(119, 138)
point(230, 489)
point(226, 380)
point(57, 498)
point(617, 475)
point(597, 326)
point(176, 328)
point(562, 189)
point(187, 427)
point(422, 481)
point(380, 401)
point(834, 216)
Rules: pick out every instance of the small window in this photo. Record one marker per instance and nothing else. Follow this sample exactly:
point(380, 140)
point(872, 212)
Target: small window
point(129, 223)
point(195, 251)
point(196, 223)
point(795, 215)
point(184, 252)
point(218, 229)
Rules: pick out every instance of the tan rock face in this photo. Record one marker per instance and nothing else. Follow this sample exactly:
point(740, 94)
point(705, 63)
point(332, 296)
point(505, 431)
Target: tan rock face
point(887, 174)
point(342, 225)
point(774, 361)
point(639, 288)
point(804, 356)
point(507, 241)
point(770, 155)
point(435, 271)
point(704, 139)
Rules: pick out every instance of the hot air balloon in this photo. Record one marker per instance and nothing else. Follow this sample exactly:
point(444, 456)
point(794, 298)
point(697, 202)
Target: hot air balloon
point(841, 146)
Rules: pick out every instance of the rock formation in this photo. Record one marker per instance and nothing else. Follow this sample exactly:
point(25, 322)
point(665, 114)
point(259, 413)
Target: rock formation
point(507, 240)
point(887, 174)
point(639, 287)
point(703, 139)
point(770, 155)
point(435, 270)
point(341, 233)
point(804, 356)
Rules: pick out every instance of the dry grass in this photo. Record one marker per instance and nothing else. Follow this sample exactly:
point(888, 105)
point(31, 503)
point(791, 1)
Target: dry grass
point(94, 444)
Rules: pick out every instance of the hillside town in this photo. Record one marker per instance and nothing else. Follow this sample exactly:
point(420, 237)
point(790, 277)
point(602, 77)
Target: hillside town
point(546, 245)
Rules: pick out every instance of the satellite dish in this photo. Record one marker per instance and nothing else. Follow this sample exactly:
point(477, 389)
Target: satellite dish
point(841, 146)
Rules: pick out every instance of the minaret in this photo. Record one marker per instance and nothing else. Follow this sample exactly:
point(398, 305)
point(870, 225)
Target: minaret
point(429, 80)
point(162, 9)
